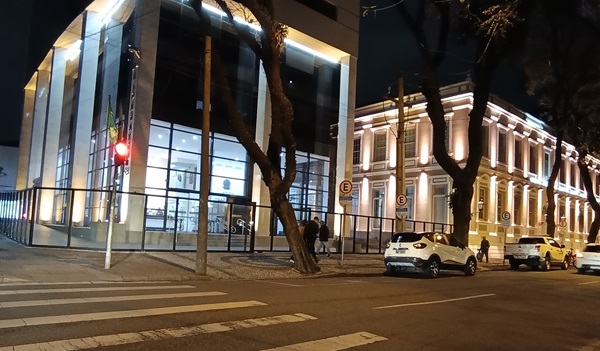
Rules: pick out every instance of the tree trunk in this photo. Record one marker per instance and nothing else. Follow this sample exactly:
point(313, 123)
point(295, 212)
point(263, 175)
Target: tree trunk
point(550, 221)
point(461, 209)
point(303, 262)
point(591, 197)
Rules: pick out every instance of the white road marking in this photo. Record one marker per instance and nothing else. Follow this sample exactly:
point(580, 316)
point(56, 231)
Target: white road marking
point(341, 342)
point(70, 290)
point(30, 283)
point(86, 317)
point(159, 334)
point(279, 283)
point(31, 303)
point(586, 283)
point(434, 302)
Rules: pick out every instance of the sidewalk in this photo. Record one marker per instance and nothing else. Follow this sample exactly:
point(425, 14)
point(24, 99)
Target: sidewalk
point(20, 263)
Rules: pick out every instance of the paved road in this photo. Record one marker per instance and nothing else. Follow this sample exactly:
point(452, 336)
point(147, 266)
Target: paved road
point(496, 310)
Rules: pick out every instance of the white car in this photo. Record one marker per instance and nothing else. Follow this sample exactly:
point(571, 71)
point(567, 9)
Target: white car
point(589, 259)
point(428, 252)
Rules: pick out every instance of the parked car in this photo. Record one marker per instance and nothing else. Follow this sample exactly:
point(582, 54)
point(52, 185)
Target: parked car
point(536, 252)
point(589, 259)
point(428, 252)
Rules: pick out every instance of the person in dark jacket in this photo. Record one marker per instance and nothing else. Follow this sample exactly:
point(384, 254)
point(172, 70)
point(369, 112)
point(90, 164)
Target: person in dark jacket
point(484, 248)
point(311, 232)
point(324, 238)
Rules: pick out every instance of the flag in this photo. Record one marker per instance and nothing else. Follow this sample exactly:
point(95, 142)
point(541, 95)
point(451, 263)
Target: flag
point(112, 126)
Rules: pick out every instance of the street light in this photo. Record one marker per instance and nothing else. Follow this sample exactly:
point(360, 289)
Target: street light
point(480, 204)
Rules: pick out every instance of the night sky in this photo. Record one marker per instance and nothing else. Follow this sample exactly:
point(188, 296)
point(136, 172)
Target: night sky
point(29, 27)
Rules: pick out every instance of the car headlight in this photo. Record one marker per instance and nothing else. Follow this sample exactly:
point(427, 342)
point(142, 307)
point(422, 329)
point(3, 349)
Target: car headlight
point(579, 255)
point(387, 246)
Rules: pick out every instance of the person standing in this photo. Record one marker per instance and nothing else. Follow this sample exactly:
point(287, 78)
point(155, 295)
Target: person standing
point(311, 232)
point(484, 248)
point(324, 238)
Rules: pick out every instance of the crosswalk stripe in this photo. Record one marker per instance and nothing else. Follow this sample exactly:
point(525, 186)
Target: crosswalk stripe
point(97, 282)
point(96, 316)
point(113, 288)
point(159, 334)
point(341, 342)
point(31, 303)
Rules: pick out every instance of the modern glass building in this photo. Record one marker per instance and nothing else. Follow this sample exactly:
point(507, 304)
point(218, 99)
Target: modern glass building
point(143, 61)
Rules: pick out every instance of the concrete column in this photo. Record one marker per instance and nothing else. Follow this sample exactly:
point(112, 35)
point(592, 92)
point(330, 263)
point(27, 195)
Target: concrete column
point(345, 138)
point(260, 192)
point(84, 110)
point(25, 138)
point(39, 122)
point(147, 18)
point(112, 60)
point(52, 131)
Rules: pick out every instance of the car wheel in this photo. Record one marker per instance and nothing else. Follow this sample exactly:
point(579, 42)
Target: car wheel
point(433, 268)
point(580, 270)
point(390, 270)
point(565, 263)
point(546, 264)
point(514, 265)
point(470, 267)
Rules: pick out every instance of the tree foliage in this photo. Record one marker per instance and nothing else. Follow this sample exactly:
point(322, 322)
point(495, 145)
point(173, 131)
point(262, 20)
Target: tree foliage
point(484, 25)
point(561, 65)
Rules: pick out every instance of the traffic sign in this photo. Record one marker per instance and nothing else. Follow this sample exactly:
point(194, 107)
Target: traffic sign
point(345, 187)
point(505, 219)
point(401, 200)
point(563, 223)
point(345, 200)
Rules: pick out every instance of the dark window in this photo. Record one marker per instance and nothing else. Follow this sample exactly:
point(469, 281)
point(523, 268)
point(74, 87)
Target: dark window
point(502, 147)
point(531, 241)
point(321, 6)
point(532, 159)
point(356, 152)
point(485, 141)
point(573, 174)
point(406, 237)
point(563, 171)
point(380, 153)
point(592, 248)
point(519, 153)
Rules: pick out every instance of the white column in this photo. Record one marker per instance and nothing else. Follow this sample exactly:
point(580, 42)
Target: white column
point(52, 132)
point(345, 138)
point(260, 193)
point(147, 18)
point(25, 137)
point(84, 110)
point(112, 63)
point(39, 122)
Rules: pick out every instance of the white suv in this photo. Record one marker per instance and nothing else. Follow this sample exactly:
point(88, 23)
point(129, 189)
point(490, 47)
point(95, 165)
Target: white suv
point(589, 259)
point(428, 252)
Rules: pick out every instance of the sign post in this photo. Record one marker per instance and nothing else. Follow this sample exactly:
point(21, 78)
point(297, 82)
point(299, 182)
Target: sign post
point(401, 211)
point(505, 224)
point(345, 199)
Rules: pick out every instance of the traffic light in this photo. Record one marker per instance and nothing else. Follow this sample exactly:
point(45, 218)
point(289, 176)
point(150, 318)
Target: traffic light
point(121, 152)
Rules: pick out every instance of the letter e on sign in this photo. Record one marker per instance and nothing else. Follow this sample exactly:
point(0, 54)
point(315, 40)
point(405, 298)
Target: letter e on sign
point(346, 187)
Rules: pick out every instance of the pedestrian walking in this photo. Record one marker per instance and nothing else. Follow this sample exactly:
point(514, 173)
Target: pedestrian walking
point(324, 239)
point(484, 248)
point(311, 232)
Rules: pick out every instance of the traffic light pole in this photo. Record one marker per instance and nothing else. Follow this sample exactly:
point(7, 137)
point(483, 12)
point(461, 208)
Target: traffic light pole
point(111, 218)
point(202, 243)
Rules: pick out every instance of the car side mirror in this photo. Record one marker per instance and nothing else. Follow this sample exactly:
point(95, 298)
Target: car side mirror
point(562, 246)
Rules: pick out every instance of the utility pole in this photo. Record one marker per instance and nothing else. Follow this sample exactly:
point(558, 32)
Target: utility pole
point(400, 189)
point(202, 243)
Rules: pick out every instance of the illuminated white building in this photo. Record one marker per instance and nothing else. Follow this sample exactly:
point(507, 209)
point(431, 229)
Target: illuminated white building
point(518, 153)
point(144, 59)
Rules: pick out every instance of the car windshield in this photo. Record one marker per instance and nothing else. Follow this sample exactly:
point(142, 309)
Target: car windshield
point(531, 241)
point(406, 237)
point(592, 248)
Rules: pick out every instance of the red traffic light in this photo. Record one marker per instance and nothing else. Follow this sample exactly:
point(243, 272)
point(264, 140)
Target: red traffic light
point(121, 153)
